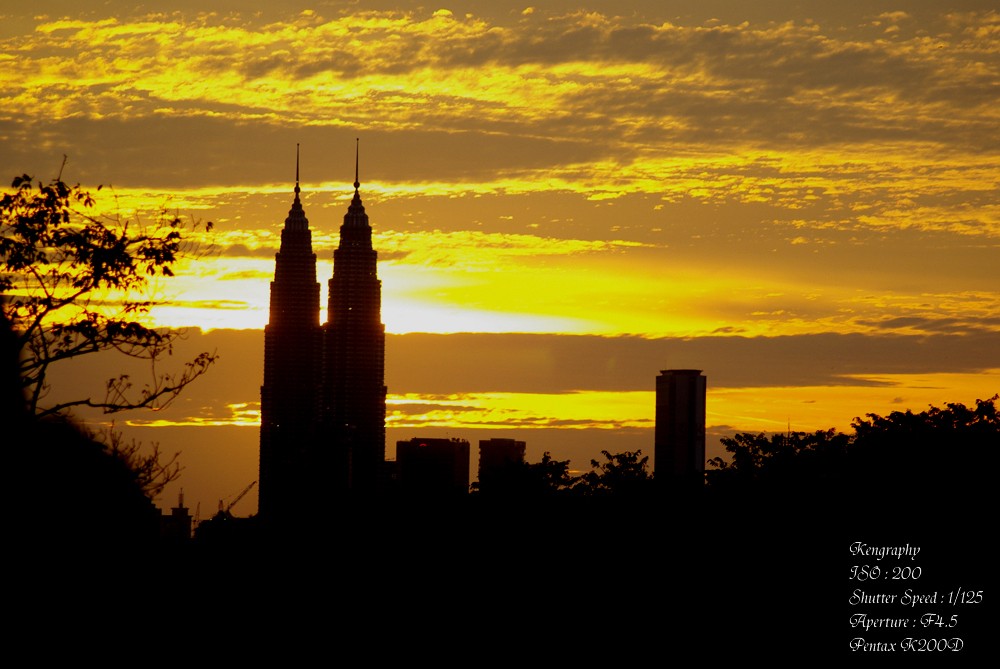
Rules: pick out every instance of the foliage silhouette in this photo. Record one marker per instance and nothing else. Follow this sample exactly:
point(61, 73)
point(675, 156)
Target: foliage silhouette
point(75, 283)
point(622, 474)
point(807, 457)
point(950, 450)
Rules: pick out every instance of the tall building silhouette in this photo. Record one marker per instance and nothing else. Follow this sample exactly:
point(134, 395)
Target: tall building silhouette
point(679, 450)
point(433, 467)
point(323, 399)
point(289, 397)
point(498, 460)
point(353, 439)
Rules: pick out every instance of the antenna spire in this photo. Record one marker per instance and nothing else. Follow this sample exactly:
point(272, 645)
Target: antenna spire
point(357, 152)
point(296, 217)
point(297, 170)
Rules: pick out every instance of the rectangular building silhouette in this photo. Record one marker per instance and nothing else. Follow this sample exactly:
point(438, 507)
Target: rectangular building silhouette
point(679, 451)
point(433, 467)
point(497, 459)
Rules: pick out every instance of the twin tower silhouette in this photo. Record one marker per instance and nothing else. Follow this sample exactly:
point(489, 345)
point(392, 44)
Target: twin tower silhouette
point(322, 430)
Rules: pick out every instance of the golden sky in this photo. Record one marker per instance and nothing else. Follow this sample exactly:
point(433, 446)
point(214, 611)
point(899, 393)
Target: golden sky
point(801, 200)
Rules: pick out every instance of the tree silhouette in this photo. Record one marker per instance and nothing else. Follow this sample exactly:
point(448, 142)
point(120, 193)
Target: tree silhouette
point(949, 450)
point(623, 474)
point(549, 476)
point(781, 459)
point(74, 283)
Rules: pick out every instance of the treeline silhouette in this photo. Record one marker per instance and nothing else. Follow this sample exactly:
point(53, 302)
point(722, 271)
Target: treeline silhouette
point(948, 450)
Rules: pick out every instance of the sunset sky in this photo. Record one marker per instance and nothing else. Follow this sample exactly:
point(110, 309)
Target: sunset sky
point(800, 199)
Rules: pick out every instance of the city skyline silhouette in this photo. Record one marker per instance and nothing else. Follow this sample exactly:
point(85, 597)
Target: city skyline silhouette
point(767, 231)
point(797, 201)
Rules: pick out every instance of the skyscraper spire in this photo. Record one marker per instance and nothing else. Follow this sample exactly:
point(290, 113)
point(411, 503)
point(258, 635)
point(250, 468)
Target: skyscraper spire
point(296, 215)
point(358, 232)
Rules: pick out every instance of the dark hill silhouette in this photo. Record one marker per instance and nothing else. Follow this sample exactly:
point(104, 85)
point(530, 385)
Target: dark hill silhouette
point(69, 489)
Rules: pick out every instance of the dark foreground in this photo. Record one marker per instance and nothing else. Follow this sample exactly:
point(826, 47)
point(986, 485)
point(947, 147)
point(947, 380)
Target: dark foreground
point(618, 582)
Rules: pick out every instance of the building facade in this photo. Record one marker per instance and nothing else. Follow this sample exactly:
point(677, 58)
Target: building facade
point(679, 450)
